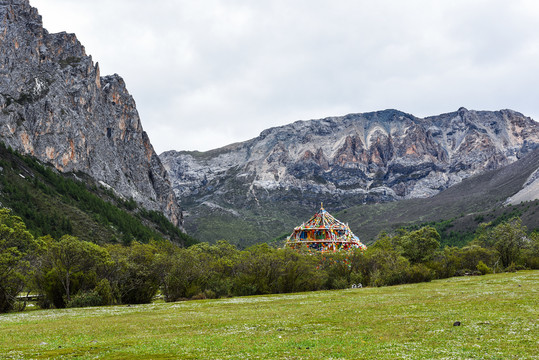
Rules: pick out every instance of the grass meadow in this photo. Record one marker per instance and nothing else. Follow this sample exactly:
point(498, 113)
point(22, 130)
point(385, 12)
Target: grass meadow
point(498, 313)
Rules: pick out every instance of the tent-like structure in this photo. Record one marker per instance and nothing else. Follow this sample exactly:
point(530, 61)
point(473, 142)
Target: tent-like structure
point(324, 233)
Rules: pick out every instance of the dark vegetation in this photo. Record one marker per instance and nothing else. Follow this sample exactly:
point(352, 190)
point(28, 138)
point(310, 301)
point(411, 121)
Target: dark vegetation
point(460, 230)
point(56, 204)
point(69, 272)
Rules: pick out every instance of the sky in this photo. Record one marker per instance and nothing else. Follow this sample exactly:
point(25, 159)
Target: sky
point(208, 73)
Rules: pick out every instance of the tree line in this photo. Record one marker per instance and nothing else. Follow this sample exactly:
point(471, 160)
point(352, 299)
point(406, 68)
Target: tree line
point(52, 204)
point(69, 272)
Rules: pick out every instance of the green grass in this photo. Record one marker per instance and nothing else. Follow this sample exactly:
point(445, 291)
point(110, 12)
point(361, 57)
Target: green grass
point(498, 314)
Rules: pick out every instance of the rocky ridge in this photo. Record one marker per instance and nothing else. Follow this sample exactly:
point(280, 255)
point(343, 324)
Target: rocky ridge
point(344, 161)
point(385, 155)
point(55, 105)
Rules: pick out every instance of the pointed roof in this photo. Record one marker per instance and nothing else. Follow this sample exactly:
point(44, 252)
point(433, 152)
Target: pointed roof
point(324, 229)
point(322, 220)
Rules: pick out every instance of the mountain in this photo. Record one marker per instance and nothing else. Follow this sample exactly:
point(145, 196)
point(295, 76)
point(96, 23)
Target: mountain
point(458, 209)
point(54, 203)
point(259, 189)
point(55, 106)
point(528, 192)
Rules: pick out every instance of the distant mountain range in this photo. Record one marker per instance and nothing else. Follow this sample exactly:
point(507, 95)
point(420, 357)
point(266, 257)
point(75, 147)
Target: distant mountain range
point(259, 189)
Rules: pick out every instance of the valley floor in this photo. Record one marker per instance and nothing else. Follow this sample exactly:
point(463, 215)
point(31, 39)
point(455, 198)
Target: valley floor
point(498, 317)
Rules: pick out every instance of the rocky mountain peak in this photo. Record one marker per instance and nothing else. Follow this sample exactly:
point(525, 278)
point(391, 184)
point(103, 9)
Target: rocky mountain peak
point(358, 158)
point(56, 106)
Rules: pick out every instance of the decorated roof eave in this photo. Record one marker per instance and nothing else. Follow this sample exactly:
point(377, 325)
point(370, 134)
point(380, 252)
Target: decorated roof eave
point(330, 227)
point(324, 241)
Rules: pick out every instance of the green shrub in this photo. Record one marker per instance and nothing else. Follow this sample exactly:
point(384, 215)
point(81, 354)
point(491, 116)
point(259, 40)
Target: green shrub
point(137, 272)
point(104, 290)
point(340, 283)
point(85, 299)
point(357, 278)
point(206, 294)
point(244, 284)
point(511, 268)
point(44, 302)
point(420, 273)
point(483, 268)
point(16, 247)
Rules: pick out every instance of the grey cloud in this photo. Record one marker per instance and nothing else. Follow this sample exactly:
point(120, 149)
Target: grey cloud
point(206, 74)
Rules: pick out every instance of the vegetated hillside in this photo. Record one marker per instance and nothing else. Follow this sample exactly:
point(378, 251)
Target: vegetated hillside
point(458, 210)
point(52, 203)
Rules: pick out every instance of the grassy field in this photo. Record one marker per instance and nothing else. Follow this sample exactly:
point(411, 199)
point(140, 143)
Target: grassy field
point(499, 317)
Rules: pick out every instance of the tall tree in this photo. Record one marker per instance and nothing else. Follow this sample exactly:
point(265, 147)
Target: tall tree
point(74, 262)
point(137, 272)
point(509, 239)
point(16, 245)
point(419, 246)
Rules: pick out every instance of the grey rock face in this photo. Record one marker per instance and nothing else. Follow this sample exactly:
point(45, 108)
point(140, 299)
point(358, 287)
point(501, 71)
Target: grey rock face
point(55, 106)
point(529, 191)
point(372, 157)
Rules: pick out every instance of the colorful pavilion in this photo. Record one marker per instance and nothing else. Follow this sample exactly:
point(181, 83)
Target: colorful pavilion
point(324, 233)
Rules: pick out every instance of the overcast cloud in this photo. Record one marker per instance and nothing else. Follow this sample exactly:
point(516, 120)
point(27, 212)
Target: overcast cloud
point(209, 73)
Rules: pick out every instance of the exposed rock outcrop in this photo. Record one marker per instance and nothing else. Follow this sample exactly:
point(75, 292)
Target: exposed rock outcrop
point(359, 158)
point(386, 152)
point(55, 105)
point(529, 191)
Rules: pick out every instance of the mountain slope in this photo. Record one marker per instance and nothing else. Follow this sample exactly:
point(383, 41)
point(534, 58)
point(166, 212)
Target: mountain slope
point(477, 199)
point(270, 183)
point(54, 105)
point(56, 204)
point(529, 191)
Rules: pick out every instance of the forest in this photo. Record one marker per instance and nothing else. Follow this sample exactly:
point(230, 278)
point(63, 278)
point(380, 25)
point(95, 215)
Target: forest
point(69, 272)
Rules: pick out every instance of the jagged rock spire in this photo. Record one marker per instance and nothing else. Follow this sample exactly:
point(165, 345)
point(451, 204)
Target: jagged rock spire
point(56, 106)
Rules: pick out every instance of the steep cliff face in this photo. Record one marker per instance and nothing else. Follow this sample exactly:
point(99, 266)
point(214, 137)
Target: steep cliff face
point(359, 158)
point(55, 105)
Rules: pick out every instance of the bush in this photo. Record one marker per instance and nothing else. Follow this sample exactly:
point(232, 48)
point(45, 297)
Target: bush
point(16, 247)
point(383, 267)
point(85, 299)
point(104, 290)
point(483, 268)
point(340, 283)
point(420, 273)
point(244, 284)
point(44, 302)
point(511, 268)
point(137, 272)
point(68, 267)
point(206, 294)
point(357, 278)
